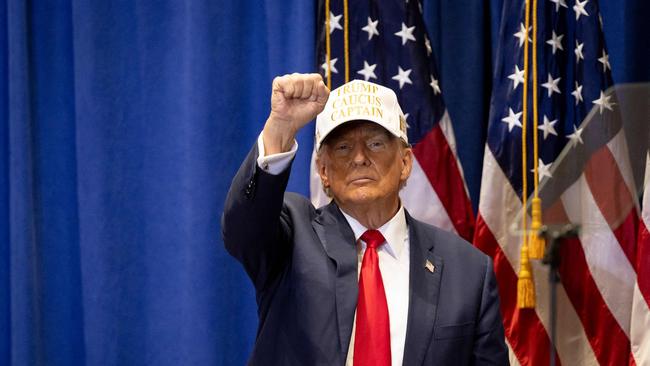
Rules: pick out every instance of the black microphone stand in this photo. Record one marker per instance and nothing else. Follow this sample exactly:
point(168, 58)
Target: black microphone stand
point(554, 238)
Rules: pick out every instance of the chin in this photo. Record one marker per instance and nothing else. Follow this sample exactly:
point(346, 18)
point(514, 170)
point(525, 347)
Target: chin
point(362, 195)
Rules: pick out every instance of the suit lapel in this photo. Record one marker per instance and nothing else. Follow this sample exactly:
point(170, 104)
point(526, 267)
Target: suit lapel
point(338, 240)
point(424, 292)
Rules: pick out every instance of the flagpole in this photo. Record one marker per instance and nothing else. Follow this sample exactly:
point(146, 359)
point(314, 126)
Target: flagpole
point(554, 239)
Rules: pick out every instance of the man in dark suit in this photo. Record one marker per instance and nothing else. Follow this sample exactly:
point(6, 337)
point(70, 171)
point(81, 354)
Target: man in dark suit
point(359, 281)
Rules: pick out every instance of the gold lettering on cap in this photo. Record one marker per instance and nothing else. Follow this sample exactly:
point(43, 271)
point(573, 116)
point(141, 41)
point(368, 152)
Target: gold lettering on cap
point(358, 111)
point(356, 100)
point(402, 123)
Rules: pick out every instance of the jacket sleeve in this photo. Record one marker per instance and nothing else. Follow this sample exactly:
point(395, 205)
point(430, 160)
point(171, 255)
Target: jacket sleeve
point(255, 229)
point(489, 346)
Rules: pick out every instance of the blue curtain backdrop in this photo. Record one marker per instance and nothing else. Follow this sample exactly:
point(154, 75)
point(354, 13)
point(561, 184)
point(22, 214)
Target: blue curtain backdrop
point(122, 125)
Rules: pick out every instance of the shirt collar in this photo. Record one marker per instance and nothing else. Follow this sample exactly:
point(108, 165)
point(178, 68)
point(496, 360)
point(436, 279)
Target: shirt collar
point(395, 231)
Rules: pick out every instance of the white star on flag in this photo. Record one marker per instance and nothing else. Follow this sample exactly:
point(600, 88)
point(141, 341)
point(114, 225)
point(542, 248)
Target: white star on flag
point(603, 102)
point(434, 85)
point(403, 77)
point(579, 8)
point(556, 42)
point(334, 22)
point(543, 170)
point(604, 59)
point(577, 93)
point(578, 51)
point(327, 69)
point(371, 28)
point(548, 127)
point(551, 85)
point(512, 119)
point(558, 3)
point(522, 34)
point(406, 34)
point(368, 71)
point(516, 77)
point(576, 137)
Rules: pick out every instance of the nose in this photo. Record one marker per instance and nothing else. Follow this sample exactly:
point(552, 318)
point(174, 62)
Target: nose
point(360, 155)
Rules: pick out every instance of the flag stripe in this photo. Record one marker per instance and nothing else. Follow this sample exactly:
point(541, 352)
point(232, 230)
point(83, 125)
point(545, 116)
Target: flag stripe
point(618, 147)
point(626, 235)
point(613, 198)
point(597, 320)
point(525, 332)
point(448, 130)
point(639, 336)
point(585, 296)
point(640, 323)
point(607, 263)
point(422, 200)
point(511, 355)
point(643, 254)
point(642, 264)
point(439, 164)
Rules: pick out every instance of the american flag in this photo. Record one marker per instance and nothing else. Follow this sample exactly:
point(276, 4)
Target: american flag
point(641, 318)
point(585, 178)
point(387, 44)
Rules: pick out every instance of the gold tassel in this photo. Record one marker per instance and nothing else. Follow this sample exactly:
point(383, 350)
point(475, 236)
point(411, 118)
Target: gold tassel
point(537, 243)
point(525, 286)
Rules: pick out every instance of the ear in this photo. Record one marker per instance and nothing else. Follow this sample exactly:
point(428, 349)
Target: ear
point(407, 163)
point(322, 172)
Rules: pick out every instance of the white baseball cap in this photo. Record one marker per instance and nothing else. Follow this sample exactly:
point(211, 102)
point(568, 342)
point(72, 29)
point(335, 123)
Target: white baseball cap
point(360, 100)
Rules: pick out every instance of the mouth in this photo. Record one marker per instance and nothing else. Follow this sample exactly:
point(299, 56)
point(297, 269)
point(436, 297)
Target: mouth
point(361, 180)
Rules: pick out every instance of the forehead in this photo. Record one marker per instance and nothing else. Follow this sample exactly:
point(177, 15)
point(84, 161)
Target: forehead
point(353, 128)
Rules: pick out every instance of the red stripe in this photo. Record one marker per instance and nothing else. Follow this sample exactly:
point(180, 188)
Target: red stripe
point(525, 332)
point(626, 235)
point(439, 164)
point(608, 340)
point(643, 259)
point(613, 198)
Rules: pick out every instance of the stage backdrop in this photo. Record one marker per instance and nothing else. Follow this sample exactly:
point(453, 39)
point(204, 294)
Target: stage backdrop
point(122, 125)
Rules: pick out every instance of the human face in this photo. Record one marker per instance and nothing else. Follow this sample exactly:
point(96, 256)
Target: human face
point(362, 164)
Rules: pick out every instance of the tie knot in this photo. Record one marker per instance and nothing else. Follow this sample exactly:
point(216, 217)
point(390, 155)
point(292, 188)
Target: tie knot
point(373, 238)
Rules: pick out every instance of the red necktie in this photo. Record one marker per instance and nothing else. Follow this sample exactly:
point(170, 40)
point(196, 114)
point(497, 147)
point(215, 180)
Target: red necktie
point(372, 336)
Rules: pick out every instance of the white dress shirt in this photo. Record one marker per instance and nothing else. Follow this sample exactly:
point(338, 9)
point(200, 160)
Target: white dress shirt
point(393, 260)
point(275, 163)
point(394, 267)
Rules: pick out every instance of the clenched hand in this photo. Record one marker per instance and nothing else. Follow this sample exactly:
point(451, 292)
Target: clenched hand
point(296, 99)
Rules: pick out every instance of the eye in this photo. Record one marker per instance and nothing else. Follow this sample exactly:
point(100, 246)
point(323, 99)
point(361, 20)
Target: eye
point(342, 147)
point(376, 145)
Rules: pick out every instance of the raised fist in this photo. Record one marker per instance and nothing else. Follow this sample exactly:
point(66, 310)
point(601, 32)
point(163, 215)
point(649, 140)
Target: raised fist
point(296, 99)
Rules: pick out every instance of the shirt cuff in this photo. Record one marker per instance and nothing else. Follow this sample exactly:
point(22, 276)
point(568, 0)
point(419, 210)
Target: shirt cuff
point(274, 163)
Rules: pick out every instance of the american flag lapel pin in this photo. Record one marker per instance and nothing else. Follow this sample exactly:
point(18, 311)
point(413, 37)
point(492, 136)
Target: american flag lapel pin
point(429, 266)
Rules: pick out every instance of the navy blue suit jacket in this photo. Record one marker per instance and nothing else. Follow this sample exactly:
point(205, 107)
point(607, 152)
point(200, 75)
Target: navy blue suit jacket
point(303, 264)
